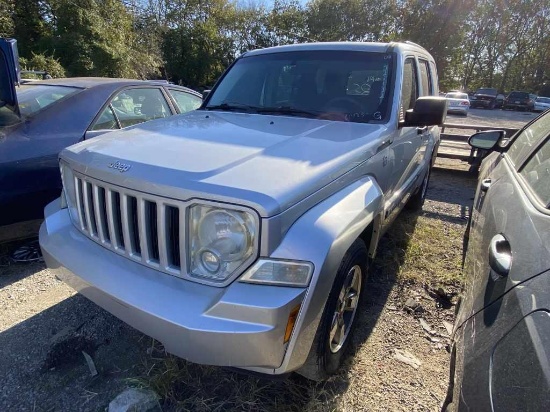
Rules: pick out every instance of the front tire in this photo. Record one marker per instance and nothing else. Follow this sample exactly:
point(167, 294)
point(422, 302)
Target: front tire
point(338, 319)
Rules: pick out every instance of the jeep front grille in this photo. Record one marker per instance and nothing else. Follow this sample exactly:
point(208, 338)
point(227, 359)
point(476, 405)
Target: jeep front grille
point(145, 228)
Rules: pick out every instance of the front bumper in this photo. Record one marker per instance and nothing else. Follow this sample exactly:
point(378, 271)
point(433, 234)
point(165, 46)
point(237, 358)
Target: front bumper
point(242, 325)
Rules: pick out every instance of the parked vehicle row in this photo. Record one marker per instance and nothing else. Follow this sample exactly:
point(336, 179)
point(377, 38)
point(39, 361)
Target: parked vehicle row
point(489, 98)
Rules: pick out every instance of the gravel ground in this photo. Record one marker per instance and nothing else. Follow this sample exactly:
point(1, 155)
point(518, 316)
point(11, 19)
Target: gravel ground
point(497, 118)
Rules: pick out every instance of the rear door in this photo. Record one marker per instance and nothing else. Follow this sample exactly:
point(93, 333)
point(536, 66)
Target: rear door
point(9, 74)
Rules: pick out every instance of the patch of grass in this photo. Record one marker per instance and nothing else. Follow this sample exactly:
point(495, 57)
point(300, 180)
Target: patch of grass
point(185, 386)
point(423, 250)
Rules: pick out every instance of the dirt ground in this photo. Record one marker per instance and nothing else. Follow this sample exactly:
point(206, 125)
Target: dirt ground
point(45, 328)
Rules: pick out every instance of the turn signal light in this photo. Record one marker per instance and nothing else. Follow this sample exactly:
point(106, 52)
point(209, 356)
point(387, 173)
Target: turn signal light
point(291, 322)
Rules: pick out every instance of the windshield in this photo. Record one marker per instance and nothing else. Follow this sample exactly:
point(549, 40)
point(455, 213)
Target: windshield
point(336, 85)
point(543, 100)
point(33, 98)
point(487, 91)
point(457, 96)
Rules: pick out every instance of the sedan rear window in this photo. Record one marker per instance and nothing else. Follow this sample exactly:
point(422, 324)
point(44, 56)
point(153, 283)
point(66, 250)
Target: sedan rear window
point(518, 95)
point(33, 98)
point(457, 96)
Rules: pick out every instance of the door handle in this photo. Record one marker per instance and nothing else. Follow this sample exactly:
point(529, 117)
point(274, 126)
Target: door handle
point(421, 130)
point(485, 185)
point(500, 255)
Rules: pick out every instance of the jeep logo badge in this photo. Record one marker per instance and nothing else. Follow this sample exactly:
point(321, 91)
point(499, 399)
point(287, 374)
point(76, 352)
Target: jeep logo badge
point(121, 167)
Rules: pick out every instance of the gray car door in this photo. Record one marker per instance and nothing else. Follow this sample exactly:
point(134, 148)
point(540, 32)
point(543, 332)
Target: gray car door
point(404, 151)
point(509, 240)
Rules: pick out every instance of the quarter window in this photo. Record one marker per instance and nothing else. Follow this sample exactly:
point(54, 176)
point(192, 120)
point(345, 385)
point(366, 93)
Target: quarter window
point(528, 139)
point(536, 172)
point(410, 87)
point(106, 121)
point(427, 87)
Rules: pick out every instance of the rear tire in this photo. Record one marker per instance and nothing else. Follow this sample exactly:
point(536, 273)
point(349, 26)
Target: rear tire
point(339, 316)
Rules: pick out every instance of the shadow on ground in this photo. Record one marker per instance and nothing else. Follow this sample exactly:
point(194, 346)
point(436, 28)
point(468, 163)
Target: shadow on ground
point(43, 368)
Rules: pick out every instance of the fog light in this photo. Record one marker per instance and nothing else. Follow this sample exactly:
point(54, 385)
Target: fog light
point(291, 322)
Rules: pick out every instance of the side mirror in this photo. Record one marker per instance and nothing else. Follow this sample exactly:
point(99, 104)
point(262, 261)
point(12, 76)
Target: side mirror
point(205, 94)
point(427, 111)
point(486, 140)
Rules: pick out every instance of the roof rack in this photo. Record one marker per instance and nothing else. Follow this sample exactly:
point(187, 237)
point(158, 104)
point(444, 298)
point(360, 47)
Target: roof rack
point(414, 44)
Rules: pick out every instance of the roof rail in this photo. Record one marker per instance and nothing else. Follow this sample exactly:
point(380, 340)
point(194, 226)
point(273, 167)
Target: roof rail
point(414, 44)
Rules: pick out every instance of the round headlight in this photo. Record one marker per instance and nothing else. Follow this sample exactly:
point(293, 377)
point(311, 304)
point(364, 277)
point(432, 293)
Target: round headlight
point(226, 233)
point(220, 242)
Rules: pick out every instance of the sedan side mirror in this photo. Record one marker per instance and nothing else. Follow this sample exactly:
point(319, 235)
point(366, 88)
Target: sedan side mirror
point(486, 140)
point(427, 111)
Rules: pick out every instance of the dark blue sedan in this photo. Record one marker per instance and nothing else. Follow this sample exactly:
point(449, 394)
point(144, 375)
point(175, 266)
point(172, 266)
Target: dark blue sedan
point(50, 115)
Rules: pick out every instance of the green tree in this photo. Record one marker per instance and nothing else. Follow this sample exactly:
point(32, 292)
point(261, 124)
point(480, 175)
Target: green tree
point(6, 18)
point(43, 63)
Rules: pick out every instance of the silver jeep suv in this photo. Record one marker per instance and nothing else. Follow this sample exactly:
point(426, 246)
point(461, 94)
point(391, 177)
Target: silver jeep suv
point(240, 234)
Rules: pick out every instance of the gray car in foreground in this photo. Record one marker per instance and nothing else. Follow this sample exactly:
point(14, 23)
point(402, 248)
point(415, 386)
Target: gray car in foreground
point(240, 234)
point(501, 348)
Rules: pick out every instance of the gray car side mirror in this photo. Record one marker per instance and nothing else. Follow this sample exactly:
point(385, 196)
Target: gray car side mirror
point(427, 111)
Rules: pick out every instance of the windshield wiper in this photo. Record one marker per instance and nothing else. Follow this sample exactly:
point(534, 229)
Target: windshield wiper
point(232, 106)
point(288, 110)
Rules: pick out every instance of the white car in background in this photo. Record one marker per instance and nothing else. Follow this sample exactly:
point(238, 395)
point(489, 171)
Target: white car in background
point(541, 104)
point(459, 103)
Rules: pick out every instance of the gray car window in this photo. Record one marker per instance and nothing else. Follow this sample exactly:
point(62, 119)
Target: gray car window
point(410, 86)
point(427, 88)
point(185, 101)
point(536, 173)
point(528, 139)
point(106, 121)
point(134, 106)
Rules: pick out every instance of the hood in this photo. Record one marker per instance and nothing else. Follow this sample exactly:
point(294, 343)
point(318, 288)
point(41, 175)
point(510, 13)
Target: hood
point(267, 162)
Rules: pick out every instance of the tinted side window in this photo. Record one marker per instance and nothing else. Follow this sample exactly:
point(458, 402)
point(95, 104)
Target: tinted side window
point(410, 87)
point(528, 139)
point(185, 101)
point(106, 121)
point(536, 173)
point(427, 87)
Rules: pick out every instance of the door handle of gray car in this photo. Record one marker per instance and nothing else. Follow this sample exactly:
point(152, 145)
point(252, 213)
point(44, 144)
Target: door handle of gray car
point(383, 145)
point(500, 255)
point(485, 185)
